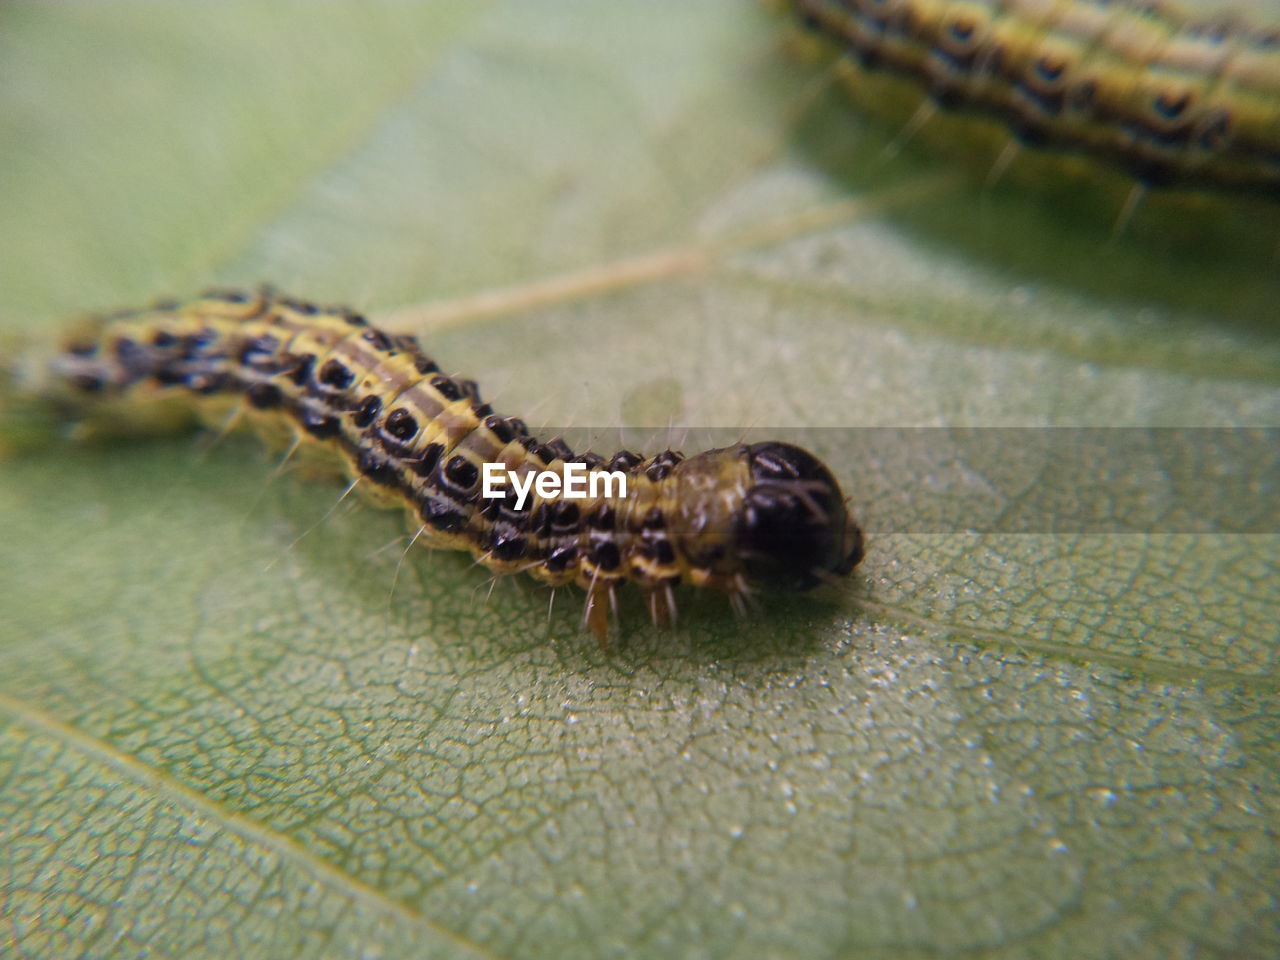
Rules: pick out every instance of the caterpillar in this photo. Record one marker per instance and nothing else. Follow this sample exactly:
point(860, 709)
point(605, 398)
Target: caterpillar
point(1137, 85)
point(376, 406)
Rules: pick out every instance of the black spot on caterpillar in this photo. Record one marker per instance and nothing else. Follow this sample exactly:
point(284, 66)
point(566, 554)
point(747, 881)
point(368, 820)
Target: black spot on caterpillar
point(1138, 85)
point(411, 437)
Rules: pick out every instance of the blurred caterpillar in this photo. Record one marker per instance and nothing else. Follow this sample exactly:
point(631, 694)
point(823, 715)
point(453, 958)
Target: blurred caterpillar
point(1138, 85)
point(732, 519)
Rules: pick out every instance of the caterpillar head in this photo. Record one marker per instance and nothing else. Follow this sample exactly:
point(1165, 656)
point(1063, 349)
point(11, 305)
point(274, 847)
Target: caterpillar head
point(793, 531)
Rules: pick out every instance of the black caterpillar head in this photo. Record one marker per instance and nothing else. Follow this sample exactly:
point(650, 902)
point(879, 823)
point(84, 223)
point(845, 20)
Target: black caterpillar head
point(794, 531)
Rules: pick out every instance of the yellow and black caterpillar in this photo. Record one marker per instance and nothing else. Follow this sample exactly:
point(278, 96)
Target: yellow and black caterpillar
point(732, 519)
point(1138, 85)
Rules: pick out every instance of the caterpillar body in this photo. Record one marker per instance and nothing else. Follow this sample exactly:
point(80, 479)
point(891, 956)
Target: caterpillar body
point(731, 519)
point(1137, 85)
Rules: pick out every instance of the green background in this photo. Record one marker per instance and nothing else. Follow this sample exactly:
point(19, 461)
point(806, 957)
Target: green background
point(217, 741)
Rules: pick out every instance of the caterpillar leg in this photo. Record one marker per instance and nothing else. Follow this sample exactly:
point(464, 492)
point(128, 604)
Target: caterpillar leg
point(595, 613)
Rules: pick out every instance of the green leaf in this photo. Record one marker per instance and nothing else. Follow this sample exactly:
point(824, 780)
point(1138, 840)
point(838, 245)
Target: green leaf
point(220, 739)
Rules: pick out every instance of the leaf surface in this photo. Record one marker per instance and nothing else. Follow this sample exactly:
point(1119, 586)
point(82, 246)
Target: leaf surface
point(220, 739)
